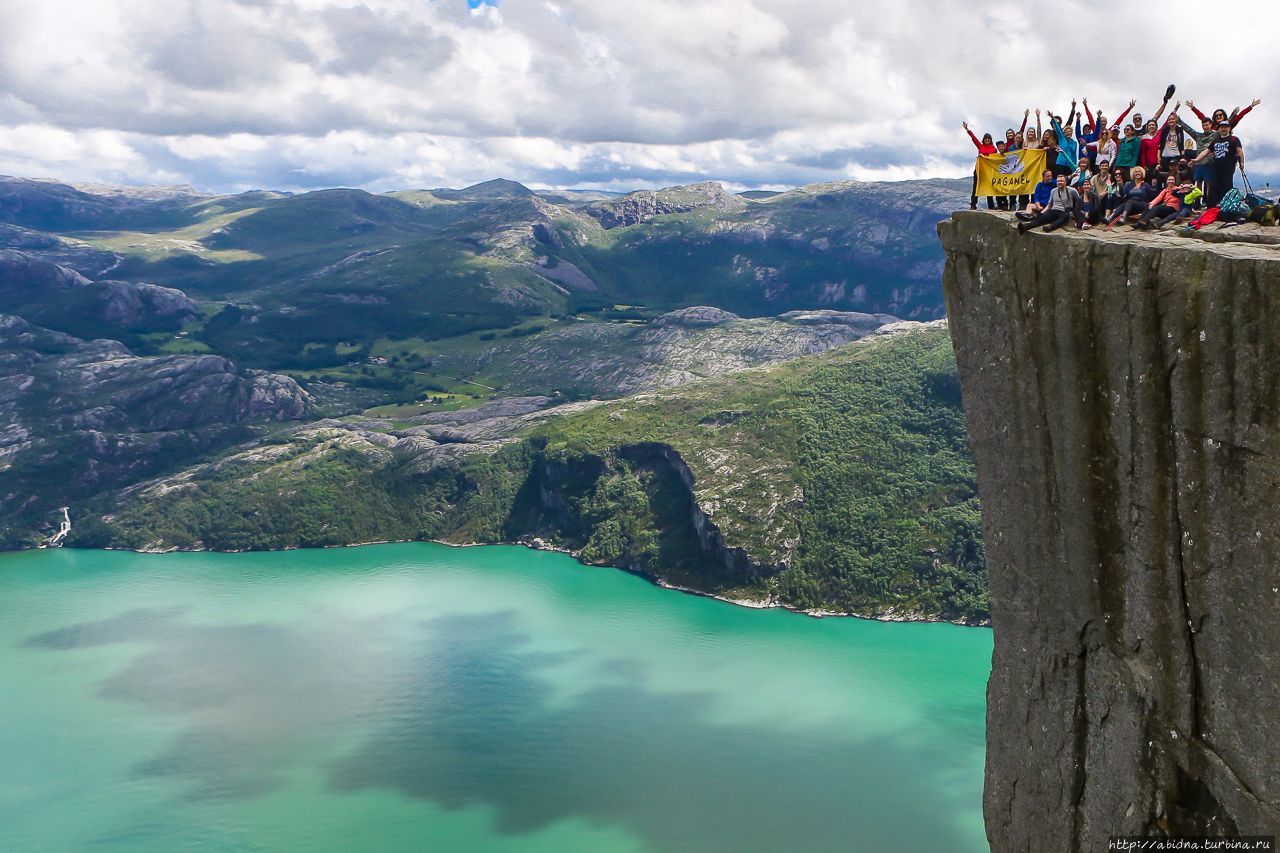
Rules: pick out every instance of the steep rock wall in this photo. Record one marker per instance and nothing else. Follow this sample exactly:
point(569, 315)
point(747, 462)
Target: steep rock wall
point(1123, 400)
point(562, 484)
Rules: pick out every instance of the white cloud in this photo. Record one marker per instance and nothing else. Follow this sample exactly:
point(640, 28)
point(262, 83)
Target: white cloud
point(385, 93)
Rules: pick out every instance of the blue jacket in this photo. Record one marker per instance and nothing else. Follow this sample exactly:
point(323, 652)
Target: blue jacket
point(1091, 136)
point(1068, 149)
point(1041, 195)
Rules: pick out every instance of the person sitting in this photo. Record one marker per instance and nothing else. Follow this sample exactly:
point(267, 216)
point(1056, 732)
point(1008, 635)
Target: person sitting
point(1039, 198)
point(1135, 196)
point(1096, 193)
point(1080, 177)
point(1064, 203)
point(1167, 206)
point(1112, 199)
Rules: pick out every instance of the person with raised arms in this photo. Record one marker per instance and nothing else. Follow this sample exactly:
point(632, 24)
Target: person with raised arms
point(1222, 155)
point(1013, 138)
point(1033, 136)
point(1139, 124)
point(1221, 114)
point(1149, 144)
point(1068, 153)
point(1101, 121)
point(985, 147)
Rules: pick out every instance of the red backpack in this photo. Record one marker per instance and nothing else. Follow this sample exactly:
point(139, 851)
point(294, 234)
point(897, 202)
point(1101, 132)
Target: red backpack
point(1208, 217)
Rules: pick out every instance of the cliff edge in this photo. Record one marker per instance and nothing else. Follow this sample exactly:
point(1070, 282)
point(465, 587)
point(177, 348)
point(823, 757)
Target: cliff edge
point(1122, 394)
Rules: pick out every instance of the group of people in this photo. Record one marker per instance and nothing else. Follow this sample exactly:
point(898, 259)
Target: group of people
point(1147, 173)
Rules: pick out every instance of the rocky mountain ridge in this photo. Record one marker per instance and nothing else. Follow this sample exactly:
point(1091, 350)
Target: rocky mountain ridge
point(435, 264)
point(61, 298)
point(80, 416)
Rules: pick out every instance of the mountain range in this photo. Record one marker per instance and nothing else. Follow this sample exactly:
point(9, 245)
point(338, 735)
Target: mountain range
point(153, 334)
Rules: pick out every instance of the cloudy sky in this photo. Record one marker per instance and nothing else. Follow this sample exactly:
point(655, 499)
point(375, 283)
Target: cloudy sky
point(386, 94)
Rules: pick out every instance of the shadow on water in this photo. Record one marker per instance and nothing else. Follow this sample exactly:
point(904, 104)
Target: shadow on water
point(468, 717)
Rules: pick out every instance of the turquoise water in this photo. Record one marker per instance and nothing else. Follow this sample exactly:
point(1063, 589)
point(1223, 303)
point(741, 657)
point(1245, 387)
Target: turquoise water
point(418, 697)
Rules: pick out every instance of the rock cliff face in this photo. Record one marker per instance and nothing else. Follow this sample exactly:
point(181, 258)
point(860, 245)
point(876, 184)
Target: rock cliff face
point(643, 205)
point(78, 416)
point(1123, 402)
point(60, 298)
point(614, 359)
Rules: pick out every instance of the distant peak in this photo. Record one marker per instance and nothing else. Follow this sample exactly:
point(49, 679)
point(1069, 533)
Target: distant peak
point(497, 187)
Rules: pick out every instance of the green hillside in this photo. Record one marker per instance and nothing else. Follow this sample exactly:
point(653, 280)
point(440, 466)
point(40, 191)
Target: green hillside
point(310, 281)
point(836, 482)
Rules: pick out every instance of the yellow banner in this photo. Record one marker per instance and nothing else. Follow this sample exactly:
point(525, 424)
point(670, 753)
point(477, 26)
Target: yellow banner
point(1015, 173)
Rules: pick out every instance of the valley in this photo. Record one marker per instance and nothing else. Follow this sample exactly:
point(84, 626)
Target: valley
point(713, 390)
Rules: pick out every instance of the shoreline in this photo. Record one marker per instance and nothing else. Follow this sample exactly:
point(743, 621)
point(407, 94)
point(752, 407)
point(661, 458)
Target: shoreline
point(537, 544)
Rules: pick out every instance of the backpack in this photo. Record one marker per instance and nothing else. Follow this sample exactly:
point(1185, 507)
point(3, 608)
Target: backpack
point(1264, 214)
point(1252, 198)
point(1233, 203)
point(1206, 218)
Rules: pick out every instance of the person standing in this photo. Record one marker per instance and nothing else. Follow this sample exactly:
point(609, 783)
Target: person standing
point(1109, 145)
point(985, 147)
point(1222, 154)
point(1171, 141)
point(1033, 136)
point(1201, 172)
point(1139, 124)
point(1067, 150)
point(1129, 149)
point(1149, 144)
point(1220, 114)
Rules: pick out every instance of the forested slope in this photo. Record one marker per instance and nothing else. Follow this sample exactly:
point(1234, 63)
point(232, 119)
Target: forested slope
point(837, 482)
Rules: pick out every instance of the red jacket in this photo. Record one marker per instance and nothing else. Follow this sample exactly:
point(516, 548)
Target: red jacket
point(982, 149)
point(1234, 118)
point(1149, 152)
